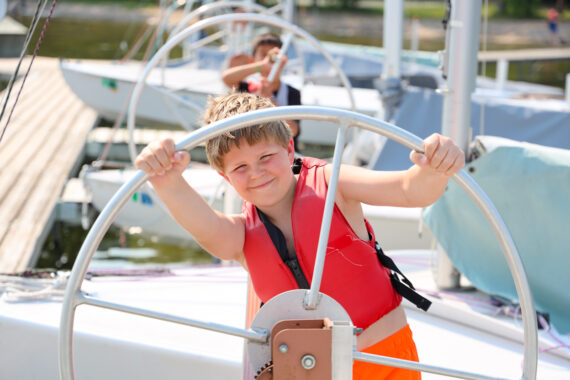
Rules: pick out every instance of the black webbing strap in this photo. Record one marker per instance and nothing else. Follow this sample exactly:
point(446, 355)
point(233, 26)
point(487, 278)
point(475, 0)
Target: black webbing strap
point(297, 165)
point(403, 286)
point(281, 246)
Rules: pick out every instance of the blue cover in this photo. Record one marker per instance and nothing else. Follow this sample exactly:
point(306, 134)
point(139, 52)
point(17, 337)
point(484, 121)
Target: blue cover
point(420, 113)
point(530, 186)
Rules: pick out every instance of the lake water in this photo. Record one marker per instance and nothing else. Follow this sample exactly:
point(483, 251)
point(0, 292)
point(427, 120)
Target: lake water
point(110, 40)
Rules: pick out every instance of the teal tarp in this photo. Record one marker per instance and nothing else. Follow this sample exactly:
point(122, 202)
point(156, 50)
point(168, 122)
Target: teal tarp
point(530, 187)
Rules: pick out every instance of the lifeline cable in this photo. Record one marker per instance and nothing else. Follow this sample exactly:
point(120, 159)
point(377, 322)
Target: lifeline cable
point(37, 48)
point(39, 10)
point(31, 30)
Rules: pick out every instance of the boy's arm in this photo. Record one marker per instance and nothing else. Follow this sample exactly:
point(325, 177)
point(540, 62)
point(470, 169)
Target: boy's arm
point(419, 186)
point(233, 75)
point(191, 211)
point(236, 73)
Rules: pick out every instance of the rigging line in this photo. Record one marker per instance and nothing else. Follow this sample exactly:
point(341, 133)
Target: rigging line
point(36, 50)
point(138, 41)
point(39, 10)
point(33, 24)
point(127, 33)
point(151, 43)
point(101, 160)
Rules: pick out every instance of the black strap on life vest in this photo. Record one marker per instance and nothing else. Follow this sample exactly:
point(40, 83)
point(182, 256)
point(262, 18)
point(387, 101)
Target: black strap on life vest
point(280, 244)
point(403, 286)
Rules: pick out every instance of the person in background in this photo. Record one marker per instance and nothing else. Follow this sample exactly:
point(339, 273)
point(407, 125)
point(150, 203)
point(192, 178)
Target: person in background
point(552, 17)
point(241, 69)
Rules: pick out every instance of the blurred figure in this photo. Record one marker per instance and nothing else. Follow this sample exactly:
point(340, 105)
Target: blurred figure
point(552, 17)
point(250, 74)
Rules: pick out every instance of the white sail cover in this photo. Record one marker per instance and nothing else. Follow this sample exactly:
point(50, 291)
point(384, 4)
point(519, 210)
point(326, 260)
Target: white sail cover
point(529, 185)
point(544, 122)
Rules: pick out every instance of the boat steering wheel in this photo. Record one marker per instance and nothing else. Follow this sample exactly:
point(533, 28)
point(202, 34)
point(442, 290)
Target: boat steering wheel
point(163, 52)
point(312, 299)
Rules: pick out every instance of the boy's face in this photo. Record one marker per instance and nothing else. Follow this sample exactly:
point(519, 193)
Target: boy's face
point(260, 173)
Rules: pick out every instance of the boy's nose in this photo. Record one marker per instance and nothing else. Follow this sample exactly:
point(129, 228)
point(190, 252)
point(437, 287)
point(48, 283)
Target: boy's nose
point(257, 171)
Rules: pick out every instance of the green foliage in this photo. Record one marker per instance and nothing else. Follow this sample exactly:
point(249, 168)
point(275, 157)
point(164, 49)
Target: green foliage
point(519, 8)
point(348, 4)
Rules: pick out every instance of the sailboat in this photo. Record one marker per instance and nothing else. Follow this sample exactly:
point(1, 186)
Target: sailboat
point(455, 338)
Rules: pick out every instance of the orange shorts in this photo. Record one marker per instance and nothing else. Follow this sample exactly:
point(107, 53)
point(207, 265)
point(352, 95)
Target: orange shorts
point(398, 345)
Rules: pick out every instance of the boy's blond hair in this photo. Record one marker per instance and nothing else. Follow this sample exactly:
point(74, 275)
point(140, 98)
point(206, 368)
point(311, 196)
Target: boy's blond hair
point(232, 104)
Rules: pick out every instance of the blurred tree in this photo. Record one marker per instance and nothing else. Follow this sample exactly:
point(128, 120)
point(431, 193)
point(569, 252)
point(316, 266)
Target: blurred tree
point(519, 8)
point(348, 4)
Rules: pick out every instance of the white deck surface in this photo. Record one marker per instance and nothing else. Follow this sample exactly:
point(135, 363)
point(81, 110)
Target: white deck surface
point(111, 345)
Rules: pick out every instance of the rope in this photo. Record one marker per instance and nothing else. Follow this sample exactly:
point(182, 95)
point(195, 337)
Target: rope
point(37, 48)
point(497, 307)
point(19, 289)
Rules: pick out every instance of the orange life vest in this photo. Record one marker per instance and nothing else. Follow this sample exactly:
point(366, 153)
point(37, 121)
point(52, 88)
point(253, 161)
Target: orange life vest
point(352, 274)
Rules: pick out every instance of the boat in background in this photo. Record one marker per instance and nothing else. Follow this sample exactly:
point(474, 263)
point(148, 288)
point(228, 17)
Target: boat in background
point(333, 75)
point(145, 214)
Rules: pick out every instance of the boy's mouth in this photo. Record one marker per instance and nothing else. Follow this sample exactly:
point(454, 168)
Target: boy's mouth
point(261, 185)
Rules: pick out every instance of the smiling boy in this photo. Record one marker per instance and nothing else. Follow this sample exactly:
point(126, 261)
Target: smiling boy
point(275, 237)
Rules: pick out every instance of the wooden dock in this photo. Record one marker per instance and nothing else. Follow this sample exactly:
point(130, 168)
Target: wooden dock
point(37, 154)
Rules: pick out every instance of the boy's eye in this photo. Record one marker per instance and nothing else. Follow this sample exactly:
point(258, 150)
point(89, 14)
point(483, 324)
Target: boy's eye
point(266, 156)
point(239, 167)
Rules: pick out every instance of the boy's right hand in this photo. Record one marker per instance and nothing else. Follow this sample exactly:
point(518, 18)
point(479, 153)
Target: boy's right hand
point(267, 63)
point(162, 162)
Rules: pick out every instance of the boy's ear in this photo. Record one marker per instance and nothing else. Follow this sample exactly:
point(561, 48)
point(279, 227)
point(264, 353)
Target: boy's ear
point(291, 151)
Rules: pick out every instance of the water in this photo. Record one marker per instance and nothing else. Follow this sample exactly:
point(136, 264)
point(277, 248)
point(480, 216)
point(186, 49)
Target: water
point(64, 241)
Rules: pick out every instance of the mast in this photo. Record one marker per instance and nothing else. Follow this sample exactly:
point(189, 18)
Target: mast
point(392, 38)
point(465, 27)
point(462, 43)
point(390, 85)
point(289, 11)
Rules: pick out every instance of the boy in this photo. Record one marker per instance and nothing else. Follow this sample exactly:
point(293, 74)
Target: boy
point(281, 217)
point(265, 49)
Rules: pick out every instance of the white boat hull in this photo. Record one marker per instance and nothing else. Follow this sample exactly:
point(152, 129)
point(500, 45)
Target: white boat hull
point(145, 213)
point(112, 345)
point(106, 88)
point(395, 228)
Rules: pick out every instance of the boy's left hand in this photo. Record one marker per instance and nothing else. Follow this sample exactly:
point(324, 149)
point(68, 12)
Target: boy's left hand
point(441, 155)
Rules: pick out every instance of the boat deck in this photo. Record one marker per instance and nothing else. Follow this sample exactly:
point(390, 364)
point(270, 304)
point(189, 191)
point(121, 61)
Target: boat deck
point(41, 146)
point(462, 330)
